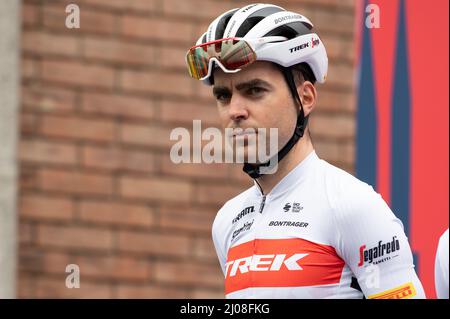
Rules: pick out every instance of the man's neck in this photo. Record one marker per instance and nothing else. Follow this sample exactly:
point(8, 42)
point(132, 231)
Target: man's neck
point(296, 155)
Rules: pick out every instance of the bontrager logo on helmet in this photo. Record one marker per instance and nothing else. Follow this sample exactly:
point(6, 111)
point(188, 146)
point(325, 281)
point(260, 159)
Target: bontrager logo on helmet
point(289, 17)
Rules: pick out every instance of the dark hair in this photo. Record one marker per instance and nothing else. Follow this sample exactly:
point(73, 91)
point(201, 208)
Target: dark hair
point(305, 71)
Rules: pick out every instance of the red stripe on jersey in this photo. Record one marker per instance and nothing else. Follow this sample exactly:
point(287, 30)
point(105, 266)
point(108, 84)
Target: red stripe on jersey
point(293, 262)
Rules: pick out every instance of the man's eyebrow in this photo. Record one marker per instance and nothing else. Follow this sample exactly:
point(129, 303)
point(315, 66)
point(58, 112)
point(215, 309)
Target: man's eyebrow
point(253, 83)
point(220, 90)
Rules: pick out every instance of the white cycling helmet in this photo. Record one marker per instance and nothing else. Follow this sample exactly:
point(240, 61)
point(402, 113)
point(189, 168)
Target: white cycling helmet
point(254, 21)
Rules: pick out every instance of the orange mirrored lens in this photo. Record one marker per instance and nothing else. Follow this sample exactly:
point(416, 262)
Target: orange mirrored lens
point(232, 54)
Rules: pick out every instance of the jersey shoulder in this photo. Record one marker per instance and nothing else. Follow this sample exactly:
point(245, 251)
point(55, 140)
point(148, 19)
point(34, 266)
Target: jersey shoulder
point(225, 213)
point(348, 196)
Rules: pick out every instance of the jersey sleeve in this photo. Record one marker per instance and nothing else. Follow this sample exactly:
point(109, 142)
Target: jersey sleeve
point(441, 267)
point(372, 242)
point(218, 240)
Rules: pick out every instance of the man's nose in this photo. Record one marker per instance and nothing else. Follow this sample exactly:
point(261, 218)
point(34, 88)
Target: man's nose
point(237, 108)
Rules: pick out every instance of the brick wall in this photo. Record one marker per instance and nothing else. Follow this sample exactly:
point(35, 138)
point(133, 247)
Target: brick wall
point(97, 187)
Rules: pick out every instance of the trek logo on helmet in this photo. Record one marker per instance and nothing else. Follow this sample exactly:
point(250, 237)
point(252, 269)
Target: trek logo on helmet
point(300, 47)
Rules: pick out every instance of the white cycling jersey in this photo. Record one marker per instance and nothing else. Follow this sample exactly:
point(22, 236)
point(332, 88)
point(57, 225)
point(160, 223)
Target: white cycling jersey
point(320, 233)
point(441, 267)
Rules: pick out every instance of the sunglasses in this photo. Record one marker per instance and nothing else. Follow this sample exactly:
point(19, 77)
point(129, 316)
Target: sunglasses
point(231, 54)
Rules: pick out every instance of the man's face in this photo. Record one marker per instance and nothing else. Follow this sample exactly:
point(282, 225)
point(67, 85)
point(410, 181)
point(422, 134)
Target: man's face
point(255, 97)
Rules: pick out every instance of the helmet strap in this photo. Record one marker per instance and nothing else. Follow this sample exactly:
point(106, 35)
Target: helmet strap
point(253, 170)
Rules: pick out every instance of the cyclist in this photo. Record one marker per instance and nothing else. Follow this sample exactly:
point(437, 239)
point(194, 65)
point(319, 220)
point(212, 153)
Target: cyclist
point(441, 267)
point(307, 229)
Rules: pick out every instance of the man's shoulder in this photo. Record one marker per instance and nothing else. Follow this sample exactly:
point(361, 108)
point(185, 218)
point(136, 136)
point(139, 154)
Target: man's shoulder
point(341, 181)
point(349, 195)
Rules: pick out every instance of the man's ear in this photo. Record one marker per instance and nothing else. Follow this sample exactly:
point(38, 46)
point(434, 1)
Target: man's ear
point(308, 95)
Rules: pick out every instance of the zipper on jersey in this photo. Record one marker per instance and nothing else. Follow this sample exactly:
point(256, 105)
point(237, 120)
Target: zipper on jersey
point(263, 197)
point(262, 204)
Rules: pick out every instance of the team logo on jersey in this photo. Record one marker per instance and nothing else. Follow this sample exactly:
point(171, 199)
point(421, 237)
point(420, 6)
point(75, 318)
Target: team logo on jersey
point(245, 211)
point(296, 208)
point(287, 223)
point(380, 253)
point(402, 292)
point(243, 228)
point(290, 262)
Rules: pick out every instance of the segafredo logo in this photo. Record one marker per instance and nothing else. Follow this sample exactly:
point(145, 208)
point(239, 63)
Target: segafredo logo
point(378, 254)
point(314, 42)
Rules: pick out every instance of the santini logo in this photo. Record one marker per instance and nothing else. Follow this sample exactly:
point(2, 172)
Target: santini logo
point(375, 253)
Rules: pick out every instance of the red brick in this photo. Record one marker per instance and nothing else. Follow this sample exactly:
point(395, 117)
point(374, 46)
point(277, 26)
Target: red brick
point(28, 123)
point(42, 207)
point(29, 178)
point(187, 218)
point(161, 28)
point(172, 58)
point(75, 182)
point(198, 8)
point(150, 292)
point(340, 75)
point(188, 274)
point(155, 189)
point(30, 14)
point(41, 151)
point(25, 234)
point(43, 261)
point(195, 170)
point(56, 288)
point(215, 194)
point(43, 98)
point(185, 112)
point(333, 21)
point(200, 293)
point(109, 267)
point(335, 101)
point(118, 105)
point(78, 128)
point(116, 213)
point(339, 48)
point(78, 73)
point(174, 245)
point(38, 42)
point(54, 17)
point(343, 153)
point(25, 285)
point(137, 5)
point(72, 237)
point(334, 125)
point(117, 159)
point(204, 248)
point(29, 68)
point(149, 135)
point(330, 4)
point(118, 51)
point(173, 84)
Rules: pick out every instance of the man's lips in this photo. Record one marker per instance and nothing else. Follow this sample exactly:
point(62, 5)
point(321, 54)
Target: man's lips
point(239, 133)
